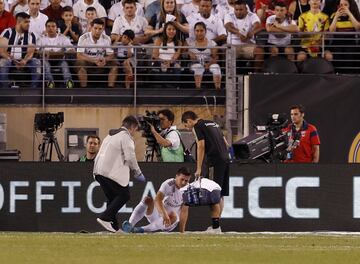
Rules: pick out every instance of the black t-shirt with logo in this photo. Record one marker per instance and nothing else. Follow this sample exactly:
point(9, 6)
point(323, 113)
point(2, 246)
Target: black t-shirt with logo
point(215, 147)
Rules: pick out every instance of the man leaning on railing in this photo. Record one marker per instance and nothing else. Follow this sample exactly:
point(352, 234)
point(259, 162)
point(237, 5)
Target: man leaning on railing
point(21, 54)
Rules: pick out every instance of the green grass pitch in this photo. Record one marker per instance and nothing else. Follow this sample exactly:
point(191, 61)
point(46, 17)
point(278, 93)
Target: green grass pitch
point(174, 248)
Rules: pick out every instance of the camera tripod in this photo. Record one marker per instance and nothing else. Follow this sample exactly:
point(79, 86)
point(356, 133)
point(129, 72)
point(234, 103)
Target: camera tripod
point(152, 149)
point(45, 148)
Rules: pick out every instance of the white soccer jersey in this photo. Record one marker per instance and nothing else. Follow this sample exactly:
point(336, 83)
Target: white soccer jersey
point(222, 9)
point(282, 40)
point(172, 196)
point(214, 26)
point(118, 10)
point(244, 25)
point(37, 25)
point(80, 10)
point(137, 24)
point(58, 42)
point(94, 49)
point(189, 9)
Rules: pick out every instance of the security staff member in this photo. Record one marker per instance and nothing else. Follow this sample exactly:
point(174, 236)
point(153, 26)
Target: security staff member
point(211, 144)
point(112, 167)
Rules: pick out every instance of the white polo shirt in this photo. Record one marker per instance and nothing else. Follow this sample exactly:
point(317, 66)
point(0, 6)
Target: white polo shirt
point(244, 25)
point(281, 40)
point(59, 42)
point(138, 24)
point(37, 24)
point(94, 49)
point(118, 10)
point(214, 26)
point(80, 10)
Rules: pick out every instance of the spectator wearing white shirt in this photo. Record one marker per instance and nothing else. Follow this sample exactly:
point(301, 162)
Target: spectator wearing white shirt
point(281, 25)
point(19, 6)
point(215, 29)
point(37, 19)
point(53, 45)
point(80, 7)
point(190, 8)
point(242, 26)
point(131, 21)
point(94, 54)
point(118, 10)
point(223, 8)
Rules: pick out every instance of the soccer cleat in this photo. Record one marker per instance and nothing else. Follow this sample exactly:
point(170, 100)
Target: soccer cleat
point(138, 230)
point(69, 84)
point(51, 85)
point(107, 225)
point(211, 230)
point(126, 227)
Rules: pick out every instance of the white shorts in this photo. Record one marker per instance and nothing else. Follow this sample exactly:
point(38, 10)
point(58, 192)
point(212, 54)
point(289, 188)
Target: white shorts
point(155, 216)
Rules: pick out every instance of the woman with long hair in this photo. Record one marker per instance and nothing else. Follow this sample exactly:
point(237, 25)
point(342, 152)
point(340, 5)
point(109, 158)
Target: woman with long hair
point(168, 13)
point(203, 54)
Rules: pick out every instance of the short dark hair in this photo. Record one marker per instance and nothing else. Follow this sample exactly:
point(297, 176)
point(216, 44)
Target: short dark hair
point(298, 106)
point(97, 21)
point(240, 2)
point(133, 2)
point(67, 9)
point(169, 115)
point(183, 170)
point(92, 136)
point(280, 3)
point(200, 24)
point(188, 115)
point(50, 20)
point(22, 15)
point(130, 121)
point(90, 9)
point(129, 33)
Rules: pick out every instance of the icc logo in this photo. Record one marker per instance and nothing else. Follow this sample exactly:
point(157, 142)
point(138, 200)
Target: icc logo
point(354, 153)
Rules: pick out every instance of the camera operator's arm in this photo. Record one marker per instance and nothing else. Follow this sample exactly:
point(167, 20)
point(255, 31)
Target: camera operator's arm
point(159, 139)
point(316, 153)
point(200, 156)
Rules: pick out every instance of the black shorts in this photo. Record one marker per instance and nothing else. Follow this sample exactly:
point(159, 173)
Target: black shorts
point(219, 172)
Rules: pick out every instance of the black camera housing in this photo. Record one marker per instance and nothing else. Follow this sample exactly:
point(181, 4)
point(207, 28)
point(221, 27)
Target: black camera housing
point(144, 121)
point(48, 122)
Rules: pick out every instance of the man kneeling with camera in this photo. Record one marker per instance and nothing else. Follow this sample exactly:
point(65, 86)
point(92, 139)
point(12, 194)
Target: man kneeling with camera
point(171, 148)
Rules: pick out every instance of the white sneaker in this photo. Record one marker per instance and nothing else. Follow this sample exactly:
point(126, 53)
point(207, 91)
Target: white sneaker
point(211, 230)
point(105, 224)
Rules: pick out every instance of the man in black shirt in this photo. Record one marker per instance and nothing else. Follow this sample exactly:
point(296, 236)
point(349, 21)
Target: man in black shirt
point(212, 145)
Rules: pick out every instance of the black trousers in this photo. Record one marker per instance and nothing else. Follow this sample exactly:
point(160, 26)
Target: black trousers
point(219, 172)
point(117, 196)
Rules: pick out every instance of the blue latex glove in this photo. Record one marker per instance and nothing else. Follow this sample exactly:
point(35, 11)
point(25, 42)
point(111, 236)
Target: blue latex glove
point(140, 178)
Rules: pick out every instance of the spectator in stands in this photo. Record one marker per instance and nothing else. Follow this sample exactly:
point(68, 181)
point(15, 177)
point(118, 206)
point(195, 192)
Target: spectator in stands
point(64, 3)
point(92, 148)
point(165, 59)
point(190, 8)
point(7, 20)
point(242, 26)
point(55, 55)
point(131, 21)
point(93, 58)
point(203, 56)
point(313, 21)
point(19, 57)
point(345, 19)
point(54, 10)
point(223, 8)
point(118, 10)
point(304, 141)
point(297, 7)
point(279, 24)
point(37, 19)
point(90, 15)
point(152, 9)
point(19, 6)
point(168, 13)
point(125, 56)
point(80, 7)
point(215, 29)
point(68, 27)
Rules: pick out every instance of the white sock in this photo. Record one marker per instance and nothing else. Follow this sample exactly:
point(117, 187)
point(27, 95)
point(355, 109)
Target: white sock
point(154, 226)
point(138, 213)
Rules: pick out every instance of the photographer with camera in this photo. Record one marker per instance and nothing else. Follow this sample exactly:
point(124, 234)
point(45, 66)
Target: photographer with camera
point(171, 149)
point(112, 167)
point(303, 138)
